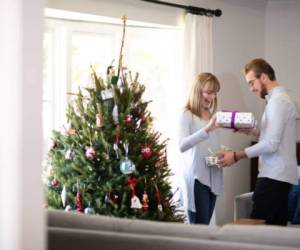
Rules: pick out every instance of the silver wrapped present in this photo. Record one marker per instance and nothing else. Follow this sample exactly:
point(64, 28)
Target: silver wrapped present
point(211, 161)
point(235, 120)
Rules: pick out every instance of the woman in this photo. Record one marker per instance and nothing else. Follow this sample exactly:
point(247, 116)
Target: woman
point(202, 183)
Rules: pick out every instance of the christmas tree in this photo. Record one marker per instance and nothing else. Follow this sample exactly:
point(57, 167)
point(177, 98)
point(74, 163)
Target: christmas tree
point(110, 160)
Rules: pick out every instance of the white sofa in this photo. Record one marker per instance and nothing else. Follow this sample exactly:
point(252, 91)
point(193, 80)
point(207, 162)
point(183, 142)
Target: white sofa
point(69, 230)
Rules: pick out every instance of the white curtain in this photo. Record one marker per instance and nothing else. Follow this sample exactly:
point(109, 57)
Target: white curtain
point(198, 55)
point(197, 58)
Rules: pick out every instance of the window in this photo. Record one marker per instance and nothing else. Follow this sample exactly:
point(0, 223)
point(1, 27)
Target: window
point(71, 47)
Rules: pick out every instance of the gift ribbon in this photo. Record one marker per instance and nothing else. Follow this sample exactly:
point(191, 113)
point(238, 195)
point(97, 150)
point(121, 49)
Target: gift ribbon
point(233, 114)
point(232, 119)
point(131, 182)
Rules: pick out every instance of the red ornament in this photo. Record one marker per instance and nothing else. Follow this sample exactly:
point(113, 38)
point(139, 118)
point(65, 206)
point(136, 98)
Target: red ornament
point(79, 207)
point(54, 182)
point(54, 145)
point(128, 119)
point(114, 197)
point(146, 151)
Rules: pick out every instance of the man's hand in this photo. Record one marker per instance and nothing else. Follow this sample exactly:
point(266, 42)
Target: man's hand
point(226, 159)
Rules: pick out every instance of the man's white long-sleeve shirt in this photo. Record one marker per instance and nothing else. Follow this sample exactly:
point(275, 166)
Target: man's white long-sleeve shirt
point(276, 147)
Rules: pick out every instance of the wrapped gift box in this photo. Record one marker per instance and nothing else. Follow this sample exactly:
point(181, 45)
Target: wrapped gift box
point(235, 120)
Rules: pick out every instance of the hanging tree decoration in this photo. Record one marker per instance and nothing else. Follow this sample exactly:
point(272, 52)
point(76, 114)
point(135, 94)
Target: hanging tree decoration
point(79, 206)
point(54, 182)
point(115, 114)
point(145, 200)
point(128, 119)
point(135, 201)
point(127, 166)
point(146, 151)
point(69, 154)
point(99, 120)
point(158, 200)
point(90, 153)
point(89, 209)
point(64, 196)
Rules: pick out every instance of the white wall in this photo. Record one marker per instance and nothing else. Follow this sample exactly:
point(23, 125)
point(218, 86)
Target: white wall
point(22, 224)
point(283, 45)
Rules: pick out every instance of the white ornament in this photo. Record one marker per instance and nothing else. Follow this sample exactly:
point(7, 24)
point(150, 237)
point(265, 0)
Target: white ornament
point(135, 202)
point(68, 208)
point(160, 208)
point(115, 114)
point(64, 196)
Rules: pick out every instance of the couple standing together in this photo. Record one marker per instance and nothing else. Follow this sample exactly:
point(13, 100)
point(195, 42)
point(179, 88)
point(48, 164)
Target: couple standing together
point(276, 147)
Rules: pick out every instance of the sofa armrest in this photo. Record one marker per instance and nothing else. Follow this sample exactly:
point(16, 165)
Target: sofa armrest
point(243, 206)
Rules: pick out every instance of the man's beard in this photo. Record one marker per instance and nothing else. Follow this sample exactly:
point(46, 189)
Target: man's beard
point(263, 91)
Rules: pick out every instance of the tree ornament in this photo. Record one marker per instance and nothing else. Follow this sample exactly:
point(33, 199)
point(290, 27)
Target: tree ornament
point(111, 197)
point(99, 120)
point(135, 201)
point(54, 145)
point(54, 182)
point(89, 210)
point(79, 203)
point(69, 154)
point(90, 82)
point(159, 205)
point(71, 131)
point(90, 153)
point(79, 206)
point(117, 134)
point(106, 198)
point(116, 148)
point(106, 156)
point(127, 166)
point(114, 197)
point(146, 151)
point(114, 80)
point(145, 201)
point(115, 114)
point(128, 119)
point(68, 208)
point(64, 196)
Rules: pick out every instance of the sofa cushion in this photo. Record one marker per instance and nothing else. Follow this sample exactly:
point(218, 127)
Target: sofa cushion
point(78, 239)
point(260, 234)
point(59, 218)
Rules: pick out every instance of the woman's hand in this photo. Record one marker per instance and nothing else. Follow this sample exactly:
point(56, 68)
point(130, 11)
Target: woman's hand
point(212, 124)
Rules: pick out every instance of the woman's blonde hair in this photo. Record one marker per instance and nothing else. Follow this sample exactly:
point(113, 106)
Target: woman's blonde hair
point(195, 96)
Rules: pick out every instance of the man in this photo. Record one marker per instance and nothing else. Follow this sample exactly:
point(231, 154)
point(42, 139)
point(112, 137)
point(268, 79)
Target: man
point(276, 145)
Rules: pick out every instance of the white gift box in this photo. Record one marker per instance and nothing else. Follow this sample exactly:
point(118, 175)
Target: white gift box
point(235, 120)
point(211, 161)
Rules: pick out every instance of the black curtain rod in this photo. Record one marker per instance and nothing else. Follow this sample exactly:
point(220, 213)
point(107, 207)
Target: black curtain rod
point(190, 9)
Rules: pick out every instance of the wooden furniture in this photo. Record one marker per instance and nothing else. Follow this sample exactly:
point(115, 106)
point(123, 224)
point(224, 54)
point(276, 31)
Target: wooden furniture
point(254, 166)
